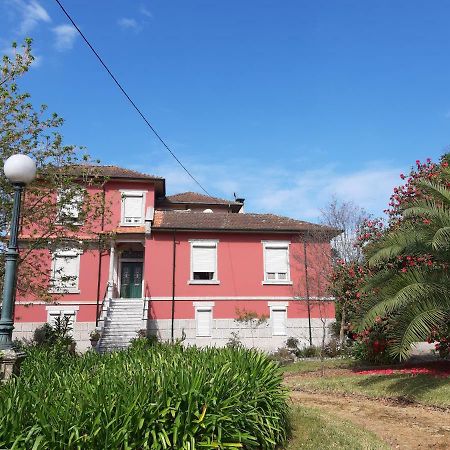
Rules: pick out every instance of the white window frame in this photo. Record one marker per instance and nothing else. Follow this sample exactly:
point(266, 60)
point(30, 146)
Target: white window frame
point(203, 243)
point(132, 193)
point(278, 306)
point(204, 306)
point(277, 244)
point(61, 311)
point(64, 253)
point(61, 219)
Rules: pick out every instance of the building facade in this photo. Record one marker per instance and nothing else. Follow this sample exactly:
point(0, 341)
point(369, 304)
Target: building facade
point(186, 266)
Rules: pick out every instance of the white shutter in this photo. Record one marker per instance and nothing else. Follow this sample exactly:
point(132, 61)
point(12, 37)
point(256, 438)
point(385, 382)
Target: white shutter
point(70, 204)
point(276, 260)
point(204, 258)
point(132, 209)
point(204, 322)
point(66, 265)
point(279, 322)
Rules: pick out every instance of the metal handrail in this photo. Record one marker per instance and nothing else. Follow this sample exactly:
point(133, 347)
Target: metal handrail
point(99, 310)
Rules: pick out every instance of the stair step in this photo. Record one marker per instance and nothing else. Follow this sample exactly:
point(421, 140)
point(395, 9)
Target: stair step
point(121, 324)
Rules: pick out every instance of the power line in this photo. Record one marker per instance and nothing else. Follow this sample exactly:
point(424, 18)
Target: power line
point(124, 92)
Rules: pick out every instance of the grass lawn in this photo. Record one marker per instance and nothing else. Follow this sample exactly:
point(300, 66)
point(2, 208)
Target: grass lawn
point(315, 430)
point(425, 389)
point(314, 365)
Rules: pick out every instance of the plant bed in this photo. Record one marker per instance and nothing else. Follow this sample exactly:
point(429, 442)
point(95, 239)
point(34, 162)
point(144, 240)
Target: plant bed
point(159, 397)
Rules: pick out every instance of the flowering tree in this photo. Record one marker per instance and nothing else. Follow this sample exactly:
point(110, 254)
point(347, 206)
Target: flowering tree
point(345, 286)
point(347, 269)
point(409, 259)
point(61, 168)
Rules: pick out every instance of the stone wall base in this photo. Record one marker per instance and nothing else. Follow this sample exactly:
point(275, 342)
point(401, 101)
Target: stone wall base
point(222, 331)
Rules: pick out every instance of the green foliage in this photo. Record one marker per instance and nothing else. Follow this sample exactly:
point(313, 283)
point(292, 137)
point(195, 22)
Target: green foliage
point(234, 341)
point(162, 397)
point(441, 336)
point(33, 131)
point(410, 277)
point(144, 341)
point(56, 338)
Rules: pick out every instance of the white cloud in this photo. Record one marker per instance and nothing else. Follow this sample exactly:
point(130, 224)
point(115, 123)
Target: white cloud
point(65, 37)
point(144, 11)
point(129, 24)
point(286, 190)
point(31, 13)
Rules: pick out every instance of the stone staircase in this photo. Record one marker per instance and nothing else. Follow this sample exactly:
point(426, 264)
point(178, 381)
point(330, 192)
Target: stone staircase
point(122, 321)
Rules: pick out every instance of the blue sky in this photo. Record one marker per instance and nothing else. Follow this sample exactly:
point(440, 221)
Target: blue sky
point(285, 103)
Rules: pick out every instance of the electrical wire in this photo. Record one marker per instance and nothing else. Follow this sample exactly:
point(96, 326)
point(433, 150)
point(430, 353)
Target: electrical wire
point(124, 92)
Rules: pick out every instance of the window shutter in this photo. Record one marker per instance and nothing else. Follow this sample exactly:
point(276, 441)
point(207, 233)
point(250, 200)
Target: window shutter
point(132, 210)
point(204, 322)
point(279, 322)
point(204, 258)
point(276, 260)
point(66, 266)
point(71, 204)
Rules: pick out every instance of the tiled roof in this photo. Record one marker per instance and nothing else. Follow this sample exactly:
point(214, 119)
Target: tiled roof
point(194, 197)
point(112, 172)
point(189, 220)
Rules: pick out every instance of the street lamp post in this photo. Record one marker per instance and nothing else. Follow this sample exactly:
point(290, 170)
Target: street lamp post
point(20, 170)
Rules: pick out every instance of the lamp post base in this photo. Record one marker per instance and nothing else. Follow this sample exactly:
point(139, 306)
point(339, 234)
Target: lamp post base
point(10, 361)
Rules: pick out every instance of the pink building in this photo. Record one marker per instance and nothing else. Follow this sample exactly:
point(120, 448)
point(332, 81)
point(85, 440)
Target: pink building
point(184, 266)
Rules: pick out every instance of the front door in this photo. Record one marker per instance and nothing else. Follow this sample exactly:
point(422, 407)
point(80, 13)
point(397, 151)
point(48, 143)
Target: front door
point(131, 280)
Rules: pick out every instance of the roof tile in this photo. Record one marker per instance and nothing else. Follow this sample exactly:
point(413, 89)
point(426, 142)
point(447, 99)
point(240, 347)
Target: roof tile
point(190, 220)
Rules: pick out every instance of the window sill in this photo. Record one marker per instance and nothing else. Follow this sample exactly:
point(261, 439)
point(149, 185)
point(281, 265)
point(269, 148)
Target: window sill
point(63, 291)
point(283, 282)
point(140, 224)
point(71, 224)
point(203, 282)
point(279, 334)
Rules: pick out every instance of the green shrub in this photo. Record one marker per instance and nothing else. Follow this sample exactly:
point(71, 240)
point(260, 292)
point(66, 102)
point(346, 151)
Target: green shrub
point(371, 345)
point(57, 336)
point(160, 397)
point(309, 352)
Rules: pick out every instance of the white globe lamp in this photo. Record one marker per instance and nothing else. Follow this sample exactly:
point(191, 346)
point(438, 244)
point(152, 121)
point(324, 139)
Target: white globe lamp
point(20, 169)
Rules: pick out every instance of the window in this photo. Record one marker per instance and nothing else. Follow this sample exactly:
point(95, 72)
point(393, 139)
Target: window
point(63, 314)
point(65, 271)
point(278, 317)
point(203, 318)
point(276, 262)
point(203, 262)
point(133, 203)
point(70, 203)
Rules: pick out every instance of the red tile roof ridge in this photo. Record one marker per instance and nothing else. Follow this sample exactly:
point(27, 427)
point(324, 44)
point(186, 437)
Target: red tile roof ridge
point(195, 197)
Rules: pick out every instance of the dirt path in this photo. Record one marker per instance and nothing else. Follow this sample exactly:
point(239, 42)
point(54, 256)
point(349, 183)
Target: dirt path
point(408, 427)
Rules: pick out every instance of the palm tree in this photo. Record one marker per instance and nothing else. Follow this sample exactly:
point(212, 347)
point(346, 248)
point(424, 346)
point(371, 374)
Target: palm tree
point(417, 297)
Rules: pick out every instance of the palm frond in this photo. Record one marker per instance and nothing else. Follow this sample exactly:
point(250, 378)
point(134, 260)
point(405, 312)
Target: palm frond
point(428, 209)
point(414, 325)
point(407, 240)
point(437, 190)
point(414, 287)
point(441, 239)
